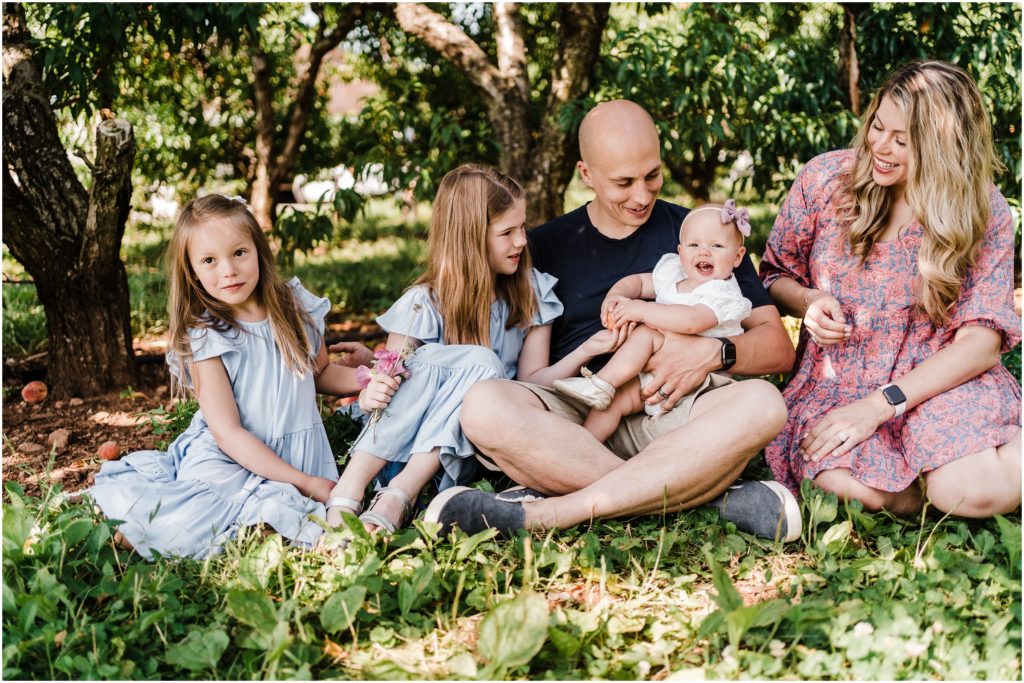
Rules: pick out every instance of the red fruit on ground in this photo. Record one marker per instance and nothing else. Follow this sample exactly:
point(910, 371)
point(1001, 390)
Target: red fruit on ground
point(109, 450)
point(34, 392)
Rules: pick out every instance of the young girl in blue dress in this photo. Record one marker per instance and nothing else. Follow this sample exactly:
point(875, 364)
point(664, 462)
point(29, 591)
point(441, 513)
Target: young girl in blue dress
point(479, 311)
point(250, 347)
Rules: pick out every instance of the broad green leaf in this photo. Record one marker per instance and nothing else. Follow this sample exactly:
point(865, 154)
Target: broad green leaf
point(340, 610)
point(76, 531)
point(728, 597)
point(409, 591)
point(17, 526)
point(200, 650)
point(836, 537)
point(1010, 534)
point(255, 570)
point(253, 609)
point(514, 631)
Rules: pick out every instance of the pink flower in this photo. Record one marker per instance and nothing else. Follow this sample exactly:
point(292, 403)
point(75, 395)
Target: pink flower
point(390, 363)
point(363, 376)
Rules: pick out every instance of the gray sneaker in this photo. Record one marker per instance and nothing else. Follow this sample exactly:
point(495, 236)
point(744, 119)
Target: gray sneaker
point(473, 511)
point(762, 508)
point(519, 494)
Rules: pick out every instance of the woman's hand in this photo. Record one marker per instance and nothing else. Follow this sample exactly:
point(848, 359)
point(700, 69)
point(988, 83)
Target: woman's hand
point(843, 428)
point(605, 341)
point(356, 354)
point(825, 321)
point(607, 305)
point(378, 392)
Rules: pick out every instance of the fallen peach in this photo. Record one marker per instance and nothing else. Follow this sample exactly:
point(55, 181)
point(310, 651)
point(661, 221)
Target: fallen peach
point(34, 392)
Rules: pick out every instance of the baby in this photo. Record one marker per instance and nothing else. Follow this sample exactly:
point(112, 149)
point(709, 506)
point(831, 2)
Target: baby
point(694, 292)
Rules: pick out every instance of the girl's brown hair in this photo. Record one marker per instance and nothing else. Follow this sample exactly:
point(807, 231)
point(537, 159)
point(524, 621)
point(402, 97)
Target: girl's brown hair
point(458, 270)
point(951, 161)
point(191, 306)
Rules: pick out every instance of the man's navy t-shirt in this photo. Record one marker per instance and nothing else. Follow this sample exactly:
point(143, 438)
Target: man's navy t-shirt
point(588, 263)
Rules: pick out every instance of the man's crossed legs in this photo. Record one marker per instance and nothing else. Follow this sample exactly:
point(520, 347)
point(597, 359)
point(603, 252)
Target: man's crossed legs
point(542, 445)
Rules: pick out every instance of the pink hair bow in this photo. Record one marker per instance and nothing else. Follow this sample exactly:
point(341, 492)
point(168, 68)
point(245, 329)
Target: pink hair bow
point(741, 216)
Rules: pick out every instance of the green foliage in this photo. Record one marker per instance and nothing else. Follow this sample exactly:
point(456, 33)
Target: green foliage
point(342, 430)
point(862, 596)
point(168, 424)
point(24, 322)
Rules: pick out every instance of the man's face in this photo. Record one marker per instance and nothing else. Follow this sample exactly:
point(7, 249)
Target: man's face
point(626, 179)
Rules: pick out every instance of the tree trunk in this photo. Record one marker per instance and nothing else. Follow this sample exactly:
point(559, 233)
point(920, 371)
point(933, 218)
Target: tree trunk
point(556, 151)
point(697, 176)
point(849, 67)
point(67, 239)
point(273, 168)
point(542, 160)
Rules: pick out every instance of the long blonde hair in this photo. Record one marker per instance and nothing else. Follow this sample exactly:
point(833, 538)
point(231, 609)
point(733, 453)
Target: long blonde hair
point(191, 306)
point(950, 165)
point(458, 269)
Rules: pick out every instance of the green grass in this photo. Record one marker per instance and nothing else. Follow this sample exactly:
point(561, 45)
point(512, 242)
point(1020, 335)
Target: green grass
point(860, 596)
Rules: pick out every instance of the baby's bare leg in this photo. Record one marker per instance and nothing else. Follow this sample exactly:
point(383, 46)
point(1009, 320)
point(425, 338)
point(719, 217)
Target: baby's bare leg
point(632, 356)
point(603, 423)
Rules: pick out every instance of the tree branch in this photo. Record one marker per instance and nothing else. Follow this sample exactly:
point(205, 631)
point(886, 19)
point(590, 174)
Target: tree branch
point(304, 98)
point(453, 44)
point(511, 49)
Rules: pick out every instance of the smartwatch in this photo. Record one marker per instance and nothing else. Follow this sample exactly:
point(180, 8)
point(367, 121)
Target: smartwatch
point(896, 398)
point(728, 353)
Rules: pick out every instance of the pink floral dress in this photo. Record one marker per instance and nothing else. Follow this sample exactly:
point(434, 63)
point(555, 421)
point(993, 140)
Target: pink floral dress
point(889, 339)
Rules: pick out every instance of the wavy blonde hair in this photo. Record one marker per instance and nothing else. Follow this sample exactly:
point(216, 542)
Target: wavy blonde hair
point(191, 306)
point(950, 165)
point(458, 269)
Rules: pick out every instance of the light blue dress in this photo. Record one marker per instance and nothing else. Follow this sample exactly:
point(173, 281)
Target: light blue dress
point(424, 412)
point(190, 500)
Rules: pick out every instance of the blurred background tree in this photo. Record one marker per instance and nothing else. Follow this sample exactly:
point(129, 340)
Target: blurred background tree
point(242, 97)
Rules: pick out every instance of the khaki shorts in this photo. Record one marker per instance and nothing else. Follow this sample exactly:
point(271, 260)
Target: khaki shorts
point(635, 432)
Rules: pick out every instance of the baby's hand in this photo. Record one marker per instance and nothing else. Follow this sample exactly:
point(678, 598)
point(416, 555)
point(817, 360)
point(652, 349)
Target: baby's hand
point(629, 310)
point(378, 392)
point(606, 309)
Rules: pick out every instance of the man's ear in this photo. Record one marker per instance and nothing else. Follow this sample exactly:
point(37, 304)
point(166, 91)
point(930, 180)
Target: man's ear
point(585, 174)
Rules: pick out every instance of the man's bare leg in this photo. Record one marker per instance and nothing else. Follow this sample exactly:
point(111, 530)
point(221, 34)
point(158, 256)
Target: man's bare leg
point(685, 468)
point(531, 445)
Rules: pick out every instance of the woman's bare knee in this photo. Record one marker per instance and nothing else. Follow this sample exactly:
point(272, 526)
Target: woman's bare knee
point(846, 488)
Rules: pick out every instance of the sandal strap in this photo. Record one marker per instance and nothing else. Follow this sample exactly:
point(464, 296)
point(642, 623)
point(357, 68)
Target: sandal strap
point(380, 520)
point(342, 502)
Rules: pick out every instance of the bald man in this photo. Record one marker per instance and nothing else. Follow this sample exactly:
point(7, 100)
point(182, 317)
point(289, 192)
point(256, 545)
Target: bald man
point(685, 457)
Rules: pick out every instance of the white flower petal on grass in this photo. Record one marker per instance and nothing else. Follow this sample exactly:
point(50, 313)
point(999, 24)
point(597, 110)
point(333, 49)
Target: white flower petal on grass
point(916, 649)
point(863, 628)
point(777, 648)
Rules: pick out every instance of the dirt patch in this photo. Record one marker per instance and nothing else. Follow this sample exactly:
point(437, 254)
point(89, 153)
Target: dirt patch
point(116, 416)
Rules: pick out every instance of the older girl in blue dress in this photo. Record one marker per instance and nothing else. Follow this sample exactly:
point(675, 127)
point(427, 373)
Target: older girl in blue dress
point(251, 349)
point(480, 311)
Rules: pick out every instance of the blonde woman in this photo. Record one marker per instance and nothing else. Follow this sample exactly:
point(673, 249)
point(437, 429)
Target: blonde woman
point(898, 255)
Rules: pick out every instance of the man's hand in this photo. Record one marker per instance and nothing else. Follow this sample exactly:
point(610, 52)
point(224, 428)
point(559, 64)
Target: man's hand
point(680, 367)
point(356, 354)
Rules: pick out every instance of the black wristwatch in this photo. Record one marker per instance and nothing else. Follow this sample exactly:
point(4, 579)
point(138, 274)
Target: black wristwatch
point(728, 353)
point(895, 397)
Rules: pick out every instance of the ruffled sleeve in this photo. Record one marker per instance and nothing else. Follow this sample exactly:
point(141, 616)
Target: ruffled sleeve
point(316, 307)
point(548, 305)
point(725, 299)
point(986, 295)
point(788, 251)
point(209, 343)
point(666, 274)
point(414, 315)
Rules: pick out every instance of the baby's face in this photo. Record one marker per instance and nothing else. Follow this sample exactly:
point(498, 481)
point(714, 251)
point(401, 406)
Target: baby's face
point(709, 250)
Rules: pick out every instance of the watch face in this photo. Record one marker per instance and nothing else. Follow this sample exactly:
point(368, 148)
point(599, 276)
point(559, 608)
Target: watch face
point(728, 354)
point(894, 395)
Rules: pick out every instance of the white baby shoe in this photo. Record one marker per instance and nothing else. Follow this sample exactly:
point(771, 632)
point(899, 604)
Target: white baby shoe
point(590, 389)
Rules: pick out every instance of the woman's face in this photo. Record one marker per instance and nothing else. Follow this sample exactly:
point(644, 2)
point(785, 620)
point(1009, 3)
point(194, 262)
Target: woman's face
point(887, 140)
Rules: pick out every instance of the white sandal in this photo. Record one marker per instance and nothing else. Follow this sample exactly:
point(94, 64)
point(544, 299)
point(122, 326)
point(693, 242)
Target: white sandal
point(380, 520)
point(351, 504)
